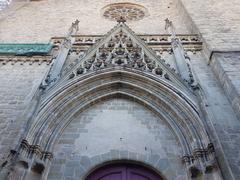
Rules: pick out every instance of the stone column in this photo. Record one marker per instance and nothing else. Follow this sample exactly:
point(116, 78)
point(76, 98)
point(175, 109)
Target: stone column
point(59, 61)
point(179, 54)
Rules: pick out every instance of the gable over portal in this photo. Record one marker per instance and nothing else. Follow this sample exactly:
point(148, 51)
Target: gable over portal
point(117, 65)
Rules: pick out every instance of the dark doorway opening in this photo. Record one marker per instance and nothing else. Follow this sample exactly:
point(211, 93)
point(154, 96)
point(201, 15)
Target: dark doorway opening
point(124, 172)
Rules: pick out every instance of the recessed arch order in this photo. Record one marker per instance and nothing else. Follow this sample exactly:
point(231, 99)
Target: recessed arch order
point(68, 98)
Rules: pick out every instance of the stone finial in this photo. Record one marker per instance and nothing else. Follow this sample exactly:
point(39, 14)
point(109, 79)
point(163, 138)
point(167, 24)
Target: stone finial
point(169, 26)
point(168, 23)
point(73, 27)
point(75, 24)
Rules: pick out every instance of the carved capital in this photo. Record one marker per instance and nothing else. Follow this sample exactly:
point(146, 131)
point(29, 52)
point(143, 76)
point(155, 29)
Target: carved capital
point(200, 160)
point(28, 162)
point(29, 151)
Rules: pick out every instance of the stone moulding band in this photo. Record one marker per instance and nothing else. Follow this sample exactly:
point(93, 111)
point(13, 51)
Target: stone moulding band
point(39, 53)
point(191, 42)
point(25, 59)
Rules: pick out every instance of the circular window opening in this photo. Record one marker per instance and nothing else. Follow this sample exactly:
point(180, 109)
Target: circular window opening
point(126, 11)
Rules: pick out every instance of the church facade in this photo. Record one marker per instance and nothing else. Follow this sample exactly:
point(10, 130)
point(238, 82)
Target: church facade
point(112, 90)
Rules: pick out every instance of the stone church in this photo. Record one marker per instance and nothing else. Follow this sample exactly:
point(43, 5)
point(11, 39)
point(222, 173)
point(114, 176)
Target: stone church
point(119, 90)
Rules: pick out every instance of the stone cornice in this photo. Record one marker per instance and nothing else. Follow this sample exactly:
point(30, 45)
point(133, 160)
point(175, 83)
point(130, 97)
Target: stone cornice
point(161, 42)
point(25, 59)
point(42, 53)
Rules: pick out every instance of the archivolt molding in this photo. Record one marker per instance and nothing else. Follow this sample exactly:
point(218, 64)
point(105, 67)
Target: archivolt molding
point(67, 100)
point(133, 74)
point(158, 42)
point(126, 68)
point(120, 48)
point(57, 109)
point(117, 93)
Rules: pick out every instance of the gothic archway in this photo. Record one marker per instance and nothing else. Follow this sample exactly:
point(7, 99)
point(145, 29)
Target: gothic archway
point(173, 106)
point(129, 70)
point(113, 129)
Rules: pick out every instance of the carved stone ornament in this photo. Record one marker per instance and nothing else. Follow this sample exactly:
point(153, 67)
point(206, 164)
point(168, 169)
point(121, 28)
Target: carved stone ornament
point(201, 161)
point(124, 12)
point(22, 60)
point(27, 150)
point(159, 43)
point(28, 159)
point(120, 51)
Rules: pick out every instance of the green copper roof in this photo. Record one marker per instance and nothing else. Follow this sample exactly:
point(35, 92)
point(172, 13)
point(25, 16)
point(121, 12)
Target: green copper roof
point(25, 49)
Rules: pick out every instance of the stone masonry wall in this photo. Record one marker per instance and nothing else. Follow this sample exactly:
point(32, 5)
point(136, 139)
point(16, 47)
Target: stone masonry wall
point(18, 83)
point(114, 129)
point(217, 21)
point(227, 68)
point(219, 25)
point(221, 121)
point(38, 21)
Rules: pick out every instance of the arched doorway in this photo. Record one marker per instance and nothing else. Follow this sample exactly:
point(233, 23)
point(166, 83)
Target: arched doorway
point(123, 172)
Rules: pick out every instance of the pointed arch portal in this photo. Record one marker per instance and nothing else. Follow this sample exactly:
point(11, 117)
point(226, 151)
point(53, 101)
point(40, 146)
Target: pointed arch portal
point(120, 65)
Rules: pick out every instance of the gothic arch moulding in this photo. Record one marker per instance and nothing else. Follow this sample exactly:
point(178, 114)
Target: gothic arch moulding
point(120, 65)
point(168, 103)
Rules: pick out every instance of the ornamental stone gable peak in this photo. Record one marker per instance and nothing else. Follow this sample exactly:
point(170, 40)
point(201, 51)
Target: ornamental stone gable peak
point(119, 50)
point(120, 65)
